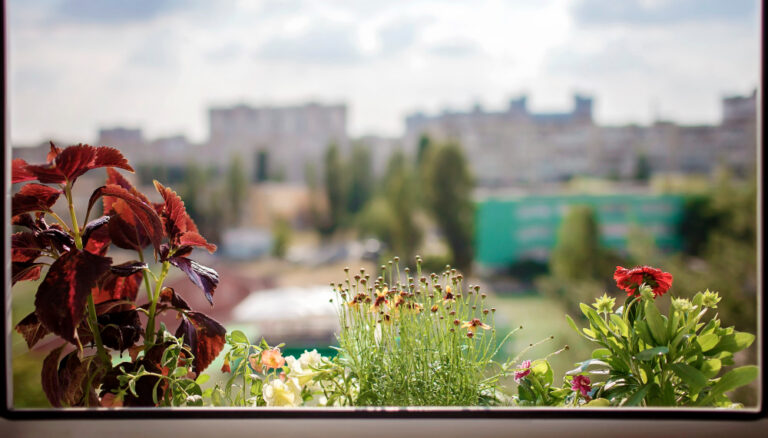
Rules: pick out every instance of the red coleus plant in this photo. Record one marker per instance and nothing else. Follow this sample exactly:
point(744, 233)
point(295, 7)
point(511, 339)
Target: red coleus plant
point(630, 280)
point(89, 300)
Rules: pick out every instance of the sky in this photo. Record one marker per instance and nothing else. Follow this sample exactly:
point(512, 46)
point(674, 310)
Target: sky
point(78, 65)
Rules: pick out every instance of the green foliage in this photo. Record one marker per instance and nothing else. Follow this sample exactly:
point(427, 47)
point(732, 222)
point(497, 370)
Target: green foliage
point(418, 341)
point(360, 179)
point(391, 215)
point(578, 261)
point(281, 235)
point(645, 358)
point(448, 189)
point(335, 193)
point(237, 188)
point(181, 385)
point(243, 386)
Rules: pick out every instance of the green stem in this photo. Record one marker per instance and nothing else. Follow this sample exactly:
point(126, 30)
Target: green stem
point(149, 335)
point(146, 279)
point(91, 306)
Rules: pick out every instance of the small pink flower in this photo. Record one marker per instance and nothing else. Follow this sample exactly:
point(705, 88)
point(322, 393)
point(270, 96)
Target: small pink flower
point(272, 358)
point(525, 370)
point(582, 384)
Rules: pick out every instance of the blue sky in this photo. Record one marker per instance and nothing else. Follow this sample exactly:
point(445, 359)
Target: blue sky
point(76, 65)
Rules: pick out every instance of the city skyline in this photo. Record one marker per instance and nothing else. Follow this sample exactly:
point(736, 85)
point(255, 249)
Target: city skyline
point(77, 65)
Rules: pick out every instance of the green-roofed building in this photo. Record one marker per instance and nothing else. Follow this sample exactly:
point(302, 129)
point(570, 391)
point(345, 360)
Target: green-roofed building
point(512, 229)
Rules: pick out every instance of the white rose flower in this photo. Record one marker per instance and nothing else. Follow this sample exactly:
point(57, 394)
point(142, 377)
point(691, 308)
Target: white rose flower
point(282, 393)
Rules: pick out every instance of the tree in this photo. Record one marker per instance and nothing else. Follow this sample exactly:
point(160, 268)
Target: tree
point(335, 191)
point(577, 253)
point(360, 179)
point(448, 193)
point(237, 187)
point(642, 167)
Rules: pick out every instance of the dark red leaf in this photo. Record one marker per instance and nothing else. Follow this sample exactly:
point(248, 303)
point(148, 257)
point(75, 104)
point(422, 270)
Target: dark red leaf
point(204, 277)
point(98, 241)
point(60, 299)
point(144, 212)
point(177, 222)
point(34, 197)
point(21, 271)
point(74, 161)
point(73, 380)
point(168, 295)
point(49, 377)
point(92, 226)
point(53, 153)
point(116, 287)
point(19, 172)
point(25, 247)
point(206, 340)
point(120, 330)
point(25, 220)
point(128, 268)
point(125, 229)
point(57, 238)
point(31, 330)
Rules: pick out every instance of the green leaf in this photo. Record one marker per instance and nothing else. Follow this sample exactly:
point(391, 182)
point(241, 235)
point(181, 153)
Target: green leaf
point(573, 324)
point(650, 353)
point(638, 396)
point(711, 367)
point(692, 377)
point(600, 353)
point(708, 341)
point(238, 337)
point(735, 342)
point(641, 327)
point(179, 372)
point(731, 380)
point(619, 324)
point(542, 368)
point(202, 379)
point(595, 320)
point(655, 323)
point(599, 403)
point(582, 366)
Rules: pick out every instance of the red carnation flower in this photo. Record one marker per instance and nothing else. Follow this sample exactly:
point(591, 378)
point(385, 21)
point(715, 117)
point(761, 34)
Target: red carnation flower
point(630, 279)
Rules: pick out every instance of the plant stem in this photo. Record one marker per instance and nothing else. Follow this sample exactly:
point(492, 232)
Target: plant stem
point(93, 323)
point(149, 335)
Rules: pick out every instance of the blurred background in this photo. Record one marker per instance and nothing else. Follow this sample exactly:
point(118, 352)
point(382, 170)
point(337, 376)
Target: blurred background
point(533, 145)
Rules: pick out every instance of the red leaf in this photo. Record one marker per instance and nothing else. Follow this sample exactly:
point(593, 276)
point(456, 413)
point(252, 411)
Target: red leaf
point(144, 212)
point(34, 197)
point(125, 229)
point(114, 177)
point(60, 299)
point(117, 287)
point(19, 172)
point(178, 223)
point(74, 376)
point(204, 336)
point(25, 247)
point(97, 241)
point(21, 271)
point(50, 377)
point(168, 295)
point(25, 220)
point(204, 277)
point(192, 238)
point(92, 227)
point(53, 153)
point(74, 161)
point(31, 330)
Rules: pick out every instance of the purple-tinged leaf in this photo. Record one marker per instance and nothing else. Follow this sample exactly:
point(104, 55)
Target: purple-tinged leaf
point(74, 161)
point(179, 227)
point(204, 277)
point(206, 340)
point(98, 241)
point(128, 268)
point(116, 287)
point(93, 226)
point(25, 247)
point(49, 377)
point(31, 330)
point(60, 299)
point(25, 220)
point(59, 239)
